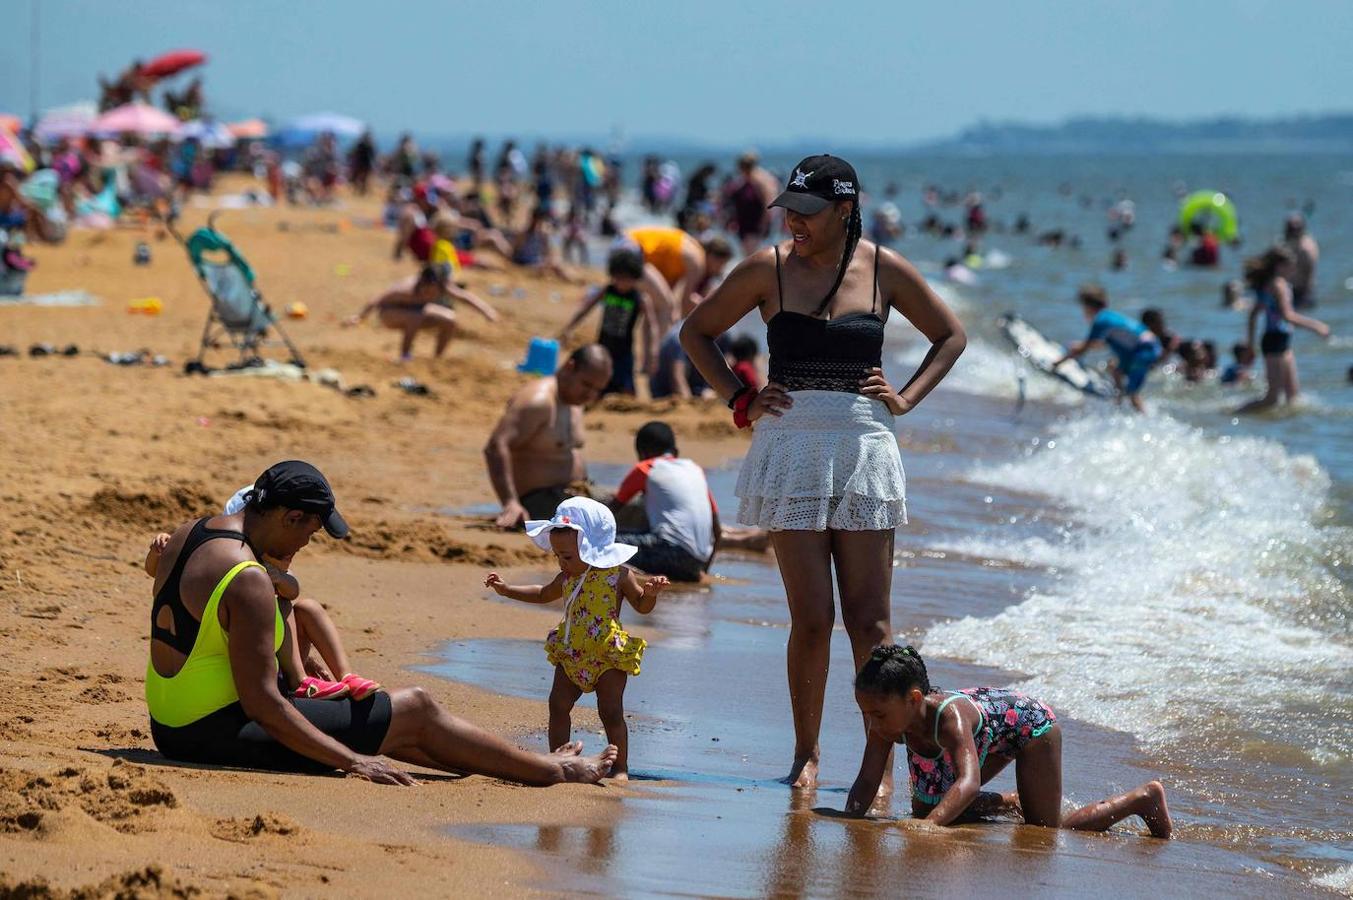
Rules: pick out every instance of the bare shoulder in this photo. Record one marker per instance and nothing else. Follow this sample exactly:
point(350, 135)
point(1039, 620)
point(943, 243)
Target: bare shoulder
point(539, 395)
point(893, 265)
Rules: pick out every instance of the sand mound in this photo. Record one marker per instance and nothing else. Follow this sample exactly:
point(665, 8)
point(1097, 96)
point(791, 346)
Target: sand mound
point(426, 542)
point(141, 884)
point(166, 508)
point(245, 829)
point(123, 797)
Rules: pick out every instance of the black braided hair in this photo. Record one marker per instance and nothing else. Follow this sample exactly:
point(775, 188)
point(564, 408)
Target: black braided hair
point(854, 228)
point(891, 669)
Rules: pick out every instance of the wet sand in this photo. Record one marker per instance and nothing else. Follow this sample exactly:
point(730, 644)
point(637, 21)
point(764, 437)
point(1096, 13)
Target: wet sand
point(99, 457)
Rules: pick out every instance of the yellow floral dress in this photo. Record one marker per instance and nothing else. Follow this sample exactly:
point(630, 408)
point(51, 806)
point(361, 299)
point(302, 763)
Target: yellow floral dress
point(590, 640)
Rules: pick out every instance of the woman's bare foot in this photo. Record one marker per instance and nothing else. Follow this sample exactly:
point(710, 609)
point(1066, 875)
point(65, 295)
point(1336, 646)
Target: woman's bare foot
point(588, 769)
point(1153, 809)
point(803, 774)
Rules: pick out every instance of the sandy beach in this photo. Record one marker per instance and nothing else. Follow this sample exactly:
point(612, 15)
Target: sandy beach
point(126, 452)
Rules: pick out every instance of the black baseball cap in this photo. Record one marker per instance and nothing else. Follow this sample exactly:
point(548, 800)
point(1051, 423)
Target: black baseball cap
point(294, 484)
point(818, 181)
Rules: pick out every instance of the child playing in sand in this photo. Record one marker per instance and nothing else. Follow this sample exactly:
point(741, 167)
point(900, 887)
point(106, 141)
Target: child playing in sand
point(959, 740)
point(589, 649)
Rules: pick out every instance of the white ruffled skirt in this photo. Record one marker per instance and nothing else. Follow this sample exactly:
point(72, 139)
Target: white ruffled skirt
point(830, 462)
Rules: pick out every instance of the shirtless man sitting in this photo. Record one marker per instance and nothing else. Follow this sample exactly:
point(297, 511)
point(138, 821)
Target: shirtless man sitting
point(534, 455)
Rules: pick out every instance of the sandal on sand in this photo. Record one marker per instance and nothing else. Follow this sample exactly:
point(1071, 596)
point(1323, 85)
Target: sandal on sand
point(312, 688)
point(360, 688)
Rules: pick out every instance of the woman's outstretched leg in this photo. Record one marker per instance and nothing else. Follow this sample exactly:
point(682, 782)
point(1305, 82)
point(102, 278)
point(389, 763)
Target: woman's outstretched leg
point(563, 695)
point(423, 733)
point(1147, 801)
point(805, 567)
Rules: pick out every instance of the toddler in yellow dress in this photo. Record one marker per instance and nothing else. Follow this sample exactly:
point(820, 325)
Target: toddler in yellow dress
point(589, 649)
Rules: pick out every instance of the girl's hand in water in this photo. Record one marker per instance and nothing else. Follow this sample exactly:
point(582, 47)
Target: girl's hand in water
point(772, 400)
point(874, 385)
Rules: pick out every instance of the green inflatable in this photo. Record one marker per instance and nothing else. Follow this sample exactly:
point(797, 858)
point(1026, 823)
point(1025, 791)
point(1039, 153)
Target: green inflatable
point(1213, 210)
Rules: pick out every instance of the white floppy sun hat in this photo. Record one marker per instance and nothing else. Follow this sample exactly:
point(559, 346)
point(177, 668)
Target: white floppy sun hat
point(596, 532)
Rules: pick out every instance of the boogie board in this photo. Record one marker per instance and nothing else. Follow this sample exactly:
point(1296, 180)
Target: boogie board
point(1042, 352)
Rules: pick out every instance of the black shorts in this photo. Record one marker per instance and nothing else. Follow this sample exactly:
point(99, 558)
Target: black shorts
point(1275, 343)
point(228, 737)
point(659, 557)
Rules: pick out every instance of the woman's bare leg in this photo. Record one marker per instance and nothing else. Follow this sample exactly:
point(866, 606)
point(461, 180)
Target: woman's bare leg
point(864, 573)
point(805, 567)
point(315, 627)
point(1291, 385)
point(1273, 372)
point(563, 695)
point(611, 711)
point(423, 733)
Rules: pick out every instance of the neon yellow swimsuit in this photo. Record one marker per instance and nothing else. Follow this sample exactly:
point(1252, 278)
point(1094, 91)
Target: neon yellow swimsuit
point(205, 683)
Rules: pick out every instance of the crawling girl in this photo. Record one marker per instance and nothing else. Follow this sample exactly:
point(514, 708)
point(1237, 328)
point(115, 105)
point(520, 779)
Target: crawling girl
point(589, 649)
point(957, 741)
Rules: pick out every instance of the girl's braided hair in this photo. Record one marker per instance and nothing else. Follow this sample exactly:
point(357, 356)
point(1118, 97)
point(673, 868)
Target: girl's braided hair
point(891, 669)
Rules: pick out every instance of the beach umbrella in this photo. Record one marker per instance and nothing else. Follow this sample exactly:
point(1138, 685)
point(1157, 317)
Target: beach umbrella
point(12, 151)
point(209, 134)
point(66, 122)
point(305, 129)
point(249, 129)
point(172, 63)
point(137, 118)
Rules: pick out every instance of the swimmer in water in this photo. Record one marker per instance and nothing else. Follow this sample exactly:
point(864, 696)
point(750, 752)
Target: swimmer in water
point(957, 741)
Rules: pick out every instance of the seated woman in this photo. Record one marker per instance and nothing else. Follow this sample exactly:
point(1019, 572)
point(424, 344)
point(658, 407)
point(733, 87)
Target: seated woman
point(423, 305)
point(534, 249)
point(211, 681)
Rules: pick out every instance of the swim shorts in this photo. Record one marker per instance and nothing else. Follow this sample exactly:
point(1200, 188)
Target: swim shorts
point(228, 737)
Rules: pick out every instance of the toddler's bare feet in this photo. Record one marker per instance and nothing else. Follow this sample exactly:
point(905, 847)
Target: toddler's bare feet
point(572, 748)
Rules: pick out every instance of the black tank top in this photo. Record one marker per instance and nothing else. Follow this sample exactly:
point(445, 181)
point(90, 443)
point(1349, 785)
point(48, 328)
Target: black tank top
point(184, 634)
point(619, 312)
point(808, 353)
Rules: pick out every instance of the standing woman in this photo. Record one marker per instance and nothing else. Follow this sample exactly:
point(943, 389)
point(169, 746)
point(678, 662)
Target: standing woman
point(824, 474)
point(1268, 276)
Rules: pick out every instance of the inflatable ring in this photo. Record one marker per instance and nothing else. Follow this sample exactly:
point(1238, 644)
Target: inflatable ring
point(1215, 210)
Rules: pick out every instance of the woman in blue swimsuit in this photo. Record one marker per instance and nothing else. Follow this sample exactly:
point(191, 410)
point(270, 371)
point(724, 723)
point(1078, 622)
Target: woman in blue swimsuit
point(957, 741)
point(1267, 276)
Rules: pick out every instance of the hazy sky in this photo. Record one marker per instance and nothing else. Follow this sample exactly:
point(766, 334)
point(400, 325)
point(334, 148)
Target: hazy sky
point(728, 72)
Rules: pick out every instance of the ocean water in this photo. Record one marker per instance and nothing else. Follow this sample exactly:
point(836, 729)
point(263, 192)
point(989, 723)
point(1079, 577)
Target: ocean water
point(1180, 585)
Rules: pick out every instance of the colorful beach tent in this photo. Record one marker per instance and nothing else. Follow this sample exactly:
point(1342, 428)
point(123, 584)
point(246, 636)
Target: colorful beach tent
point(249, 129)
point(135, 118)
point(303, 130)
point(66, 121)
point(12, 151)
point(172, 63)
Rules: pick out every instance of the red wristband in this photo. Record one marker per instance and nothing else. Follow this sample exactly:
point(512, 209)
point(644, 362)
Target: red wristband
point(740, 407)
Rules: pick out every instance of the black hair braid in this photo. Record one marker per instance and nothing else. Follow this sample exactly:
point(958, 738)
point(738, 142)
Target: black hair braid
point(891, 669)
point(854, 228)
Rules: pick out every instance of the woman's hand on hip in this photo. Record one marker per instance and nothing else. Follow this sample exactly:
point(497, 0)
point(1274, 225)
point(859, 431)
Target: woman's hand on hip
point(379, 771)
point(875, 386)
point(772, 400)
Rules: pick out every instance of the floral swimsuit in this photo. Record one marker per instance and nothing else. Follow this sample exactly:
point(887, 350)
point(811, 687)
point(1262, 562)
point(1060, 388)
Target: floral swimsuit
point(590, 640)
point(1008, 720)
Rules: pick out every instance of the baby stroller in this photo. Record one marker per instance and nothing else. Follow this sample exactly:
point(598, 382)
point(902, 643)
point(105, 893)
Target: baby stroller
point(238, 312)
